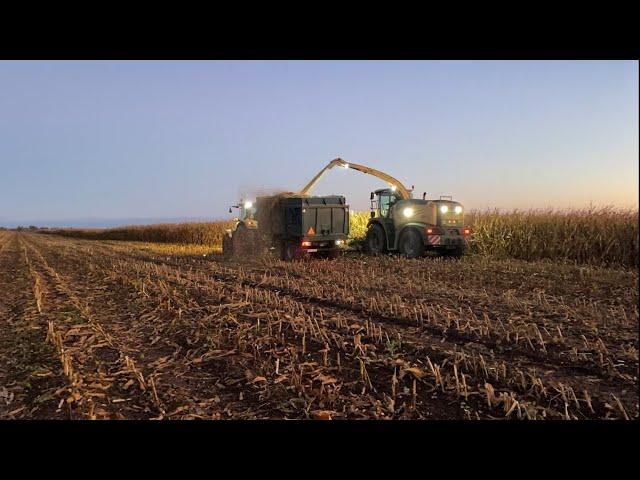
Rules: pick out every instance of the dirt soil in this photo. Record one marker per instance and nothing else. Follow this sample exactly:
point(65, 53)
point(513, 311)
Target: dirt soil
point(105, 329)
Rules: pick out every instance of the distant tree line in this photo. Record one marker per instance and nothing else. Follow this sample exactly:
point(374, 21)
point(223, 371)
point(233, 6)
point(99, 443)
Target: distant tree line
point(30, 227)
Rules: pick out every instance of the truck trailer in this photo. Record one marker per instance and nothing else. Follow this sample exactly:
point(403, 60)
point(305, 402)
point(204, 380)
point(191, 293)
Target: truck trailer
point(292, 225)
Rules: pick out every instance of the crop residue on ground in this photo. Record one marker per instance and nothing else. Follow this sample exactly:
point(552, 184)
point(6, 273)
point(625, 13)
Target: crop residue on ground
point(103, 329)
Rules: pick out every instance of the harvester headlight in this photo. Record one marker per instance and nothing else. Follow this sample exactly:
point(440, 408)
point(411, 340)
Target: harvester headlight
point(393, 188)
point(248, 205)
point(444, 209)
point(345, 165)
point(408, 212)
point(458, 209)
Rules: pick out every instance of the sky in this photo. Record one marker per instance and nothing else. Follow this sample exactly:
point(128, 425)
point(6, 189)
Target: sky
point(102, 141)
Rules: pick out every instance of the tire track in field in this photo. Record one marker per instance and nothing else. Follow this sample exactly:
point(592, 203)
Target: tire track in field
point(30, 385)
point(101, 376)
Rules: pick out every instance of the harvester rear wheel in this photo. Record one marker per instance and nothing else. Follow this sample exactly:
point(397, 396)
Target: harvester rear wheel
point(375, 241)
point(411, 244)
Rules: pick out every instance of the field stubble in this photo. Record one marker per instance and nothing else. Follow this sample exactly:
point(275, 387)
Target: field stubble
point(128, 331)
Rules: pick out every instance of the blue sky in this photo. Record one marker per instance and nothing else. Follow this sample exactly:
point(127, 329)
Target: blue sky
point(130, 139)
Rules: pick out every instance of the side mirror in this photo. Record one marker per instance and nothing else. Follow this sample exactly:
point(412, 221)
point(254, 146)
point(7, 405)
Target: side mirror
point(372, 196)
point(424, 195)
point(230, 211)
point(373, 214)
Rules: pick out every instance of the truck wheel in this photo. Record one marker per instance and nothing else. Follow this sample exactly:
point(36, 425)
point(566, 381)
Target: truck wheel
point(411, 244)
point(375, 241)
point(290, 251)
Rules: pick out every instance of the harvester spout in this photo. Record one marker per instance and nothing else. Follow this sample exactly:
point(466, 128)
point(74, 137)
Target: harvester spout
point(400, 188)
point(307, 188)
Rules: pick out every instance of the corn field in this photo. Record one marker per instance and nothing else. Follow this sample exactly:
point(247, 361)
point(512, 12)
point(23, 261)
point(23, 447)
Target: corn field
point(603, 236)
point(358, 226)
point(200, 233)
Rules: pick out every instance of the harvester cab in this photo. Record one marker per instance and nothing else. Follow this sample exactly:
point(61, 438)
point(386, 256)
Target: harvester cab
point(246, 214)
point(382, 200)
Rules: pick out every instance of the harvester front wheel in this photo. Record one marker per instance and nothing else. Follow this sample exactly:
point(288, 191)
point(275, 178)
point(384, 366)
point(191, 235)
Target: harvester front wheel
point(375, 241)
point(411, 244)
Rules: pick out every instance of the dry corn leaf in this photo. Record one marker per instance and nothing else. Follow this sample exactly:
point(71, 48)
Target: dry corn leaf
point(415, 371)
point(178, 410)
point(321, 415)
point(326, 380)
point(17, 410)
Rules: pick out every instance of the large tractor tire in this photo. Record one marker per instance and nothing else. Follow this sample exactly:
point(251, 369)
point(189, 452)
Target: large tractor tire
point(375, 242)
point(411, 244)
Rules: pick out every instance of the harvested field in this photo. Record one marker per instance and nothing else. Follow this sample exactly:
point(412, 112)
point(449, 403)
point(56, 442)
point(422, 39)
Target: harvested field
point(105, 329)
